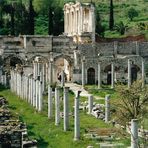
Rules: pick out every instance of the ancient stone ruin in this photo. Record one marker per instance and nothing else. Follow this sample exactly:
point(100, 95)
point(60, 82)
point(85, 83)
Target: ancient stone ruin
point(13, 133)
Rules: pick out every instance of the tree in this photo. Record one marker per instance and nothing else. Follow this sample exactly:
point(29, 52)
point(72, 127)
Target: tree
point(121, 28)
point(31, 18)
point(132, 13)
point(100, 29)
point(111, 17)
point(132, 102)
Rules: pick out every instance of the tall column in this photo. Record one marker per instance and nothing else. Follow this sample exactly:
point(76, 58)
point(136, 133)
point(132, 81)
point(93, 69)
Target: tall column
point(50, 102)
point(76, 117)
point(50, 72)
point(107, 108)
point(99, 76)
point(35, 69)
point(83, 72)
point(40, 96)
point(66, 109)
point(62, 78)
point(143, 73)
point(134, 133)
point(34, 92)
point(112, 75)
point(90, 104)
point(129, 73)
point(57, 106)
point(64, 21)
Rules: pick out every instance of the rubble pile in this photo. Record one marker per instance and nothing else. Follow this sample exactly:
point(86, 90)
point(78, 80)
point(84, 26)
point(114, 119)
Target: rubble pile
point(13, 133)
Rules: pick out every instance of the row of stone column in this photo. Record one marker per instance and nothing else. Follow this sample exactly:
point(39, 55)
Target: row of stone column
point(113, 74)
point(134, 122)
point(65, 109)
point(27, 88)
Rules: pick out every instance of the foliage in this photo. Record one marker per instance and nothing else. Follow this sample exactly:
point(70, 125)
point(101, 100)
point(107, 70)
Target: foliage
point(121, 28)
point(132, 13)
point(132, 103)
point(111, 16)
point(44, 130)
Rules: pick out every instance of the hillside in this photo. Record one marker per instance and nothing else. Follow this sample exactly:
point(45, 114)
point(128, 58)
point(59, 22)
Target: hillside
point(139, 24)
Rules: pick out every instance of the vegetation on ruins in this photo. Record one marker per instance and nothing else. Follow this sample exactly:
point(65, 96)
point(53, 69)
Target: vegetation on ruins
point(46, 17)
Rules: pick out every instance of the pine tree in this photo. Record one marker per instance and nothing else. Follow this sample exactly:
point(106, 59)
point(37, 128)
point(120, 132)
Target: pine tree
point(111, 18)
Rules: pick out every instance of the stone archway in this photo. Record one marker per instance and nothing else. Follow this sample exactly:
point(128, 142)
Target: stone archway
point(63, 63)
point(91, 76)
point(11, 62)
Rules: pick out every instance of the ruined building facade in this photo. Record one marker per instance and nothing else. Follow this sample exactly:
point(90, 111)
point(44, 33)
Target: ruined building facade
point(76, 51)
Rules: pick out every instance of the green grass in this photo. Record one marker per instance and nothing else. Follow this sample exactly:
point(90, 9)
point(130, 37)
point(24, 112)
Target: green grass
point(45, 132)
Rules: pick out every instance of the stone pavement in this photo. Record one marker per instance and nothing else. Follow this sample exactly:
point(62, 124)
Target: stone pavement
point(75, 87)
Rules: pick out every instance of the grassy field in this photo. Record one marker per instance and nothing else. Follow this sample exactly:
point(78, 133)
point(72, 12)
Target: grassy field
point(46, 133)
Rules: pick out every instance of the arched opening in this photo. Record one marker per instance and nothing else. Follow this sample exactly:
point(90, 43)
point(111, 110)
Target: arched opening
point(134, 71)
point(14, 61)
point(62, 64)
point(91, 76)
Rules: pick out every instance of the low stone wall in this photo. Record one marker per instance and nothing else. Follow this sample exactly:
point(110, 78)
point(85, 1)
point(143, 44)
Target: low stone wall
point(13, 133)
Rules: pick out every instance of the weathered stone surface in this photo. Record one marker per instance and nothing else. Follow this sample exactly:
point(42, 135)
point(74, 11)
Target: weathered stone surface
point(13, 133)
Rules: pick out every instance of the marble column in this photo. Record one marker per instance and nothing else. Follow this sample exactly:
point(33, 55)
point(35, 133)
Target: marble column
point(66, 108)
point(90, 104)
point(50, 100)
point(76, 117)
point(37, 93)
point(34, 92)
point(57, 106)
point(134, 133)
point(99, 76)
point(40, 98)
point(112, 75)
point(143, 73)
point(83, 72)
point(62, 78)
point(50, 72)
point(107, 108)
point(129, 73)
